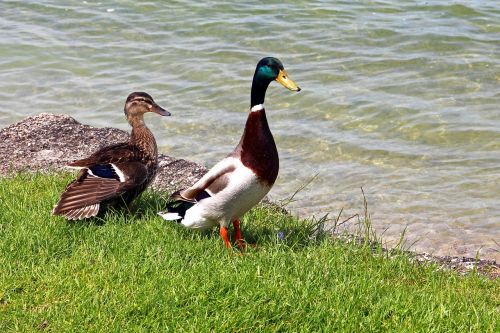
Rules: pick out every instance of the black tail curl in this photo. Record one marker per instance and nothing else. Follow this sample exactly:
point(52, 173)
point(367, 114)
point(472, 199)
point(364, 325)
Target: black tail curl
point(180, 206)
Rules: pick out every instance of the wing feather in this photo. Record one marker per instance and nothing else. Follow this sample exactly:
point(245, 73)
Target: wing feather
point(82, 197)
point(83, 212)
point(225, 166)
point(117, 153)
point(92, 190)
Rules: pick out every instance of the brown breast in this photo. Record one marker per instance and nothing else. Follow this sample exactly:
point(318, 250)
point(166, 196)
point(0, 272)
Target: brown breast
point(257, 149)
point(144, 140)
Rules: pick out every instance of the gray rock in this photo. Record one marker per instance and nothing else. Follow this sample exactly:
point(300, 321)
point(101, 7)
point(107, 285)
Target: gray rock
point(49, 142)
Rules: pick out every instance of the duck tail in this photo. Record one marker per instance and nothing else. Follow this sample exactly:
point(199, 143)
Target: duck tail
point(176, 209)
point(170, 216)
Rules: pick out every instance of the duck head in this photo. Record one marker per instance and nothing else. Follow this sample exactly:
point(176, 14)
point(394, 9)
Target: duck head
point(139, 103)
point(269, 69)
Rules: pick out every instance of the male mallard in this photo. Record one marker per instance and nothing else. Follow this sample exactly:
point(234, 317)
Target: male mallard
point(116, 174)
point(244, 177)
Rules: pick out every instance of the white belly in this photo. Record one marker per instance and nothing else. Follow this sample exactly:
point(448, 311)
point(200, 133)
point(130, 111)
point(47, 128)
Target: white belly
point(242, 192)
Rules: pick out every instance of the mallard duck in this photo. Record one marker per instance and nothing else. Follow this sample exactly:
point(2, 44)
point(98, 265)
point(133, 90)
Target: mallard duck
point(114, 175)
point(238, 182)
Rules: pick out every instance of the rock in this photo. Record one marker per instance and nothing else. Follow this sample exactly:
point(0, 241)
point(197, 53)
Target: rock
point(176, 173)
point(49, 142)
point(462, 265)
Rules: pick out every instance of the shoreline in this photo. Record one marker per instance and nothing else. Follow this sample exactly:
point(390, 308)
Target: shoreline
point(47, 142)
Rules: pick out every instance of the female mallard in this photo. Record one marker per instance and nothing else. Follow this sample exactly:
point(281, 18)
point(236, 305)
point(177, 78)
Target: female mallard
point(244, 177)
point(116, 174)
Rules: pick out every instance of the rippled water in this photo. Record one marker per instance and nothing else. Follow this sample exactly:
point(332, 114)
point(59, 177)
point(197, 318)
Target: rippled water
point(399, 97)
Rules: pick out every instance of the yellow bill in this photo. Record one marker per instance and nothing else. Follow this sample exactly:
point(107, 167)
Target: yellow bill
point(286, 81)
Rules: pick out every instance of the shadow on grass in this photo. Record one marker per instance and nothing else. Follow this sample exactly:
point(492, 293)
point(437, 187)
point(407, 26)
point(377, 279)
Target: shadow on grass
point(266, 225)
point(270, 225)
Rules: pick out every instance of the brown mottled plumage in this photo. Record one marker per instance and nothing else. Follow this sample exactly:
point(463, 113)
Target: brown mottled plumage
point(114, 175)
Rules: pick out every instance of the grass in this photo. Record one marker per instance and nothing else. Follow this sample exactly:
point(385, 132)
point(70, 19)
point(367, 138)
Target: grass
point(137, 273)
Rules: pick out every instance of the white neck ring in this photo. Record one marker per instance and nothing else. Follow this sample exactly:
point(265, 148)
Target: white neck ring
point(257, 107)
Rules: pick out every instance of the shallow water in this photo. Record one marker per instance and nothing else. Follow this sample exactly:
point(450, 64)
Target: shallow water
point(399, 97)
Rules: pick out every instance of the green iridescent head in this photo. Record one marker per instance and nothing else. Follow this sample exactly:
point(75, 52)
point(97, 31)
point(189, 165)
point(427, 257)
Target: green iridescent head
point(270, 69)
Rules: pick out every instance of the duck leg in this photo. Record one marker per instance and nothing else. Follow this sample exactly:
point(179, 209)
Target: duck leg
point(238, 239)
point(225, 237)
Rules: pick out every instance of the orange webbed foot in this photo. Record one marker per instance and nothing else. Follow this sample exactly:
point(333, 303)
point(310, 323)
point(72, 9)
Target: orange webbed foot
point(238, 239)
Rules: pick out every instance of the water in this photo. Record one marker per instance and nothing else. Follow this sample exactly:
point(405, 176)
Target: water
point(399, 97)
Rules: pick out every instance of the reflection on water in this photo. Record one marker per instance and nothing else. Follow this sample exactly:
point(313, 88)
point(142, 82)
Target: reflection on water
point(398, 98)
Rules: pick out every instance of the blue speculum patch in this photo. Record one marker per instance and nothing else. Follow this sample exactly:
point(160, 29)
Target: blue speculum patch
point(104, 171)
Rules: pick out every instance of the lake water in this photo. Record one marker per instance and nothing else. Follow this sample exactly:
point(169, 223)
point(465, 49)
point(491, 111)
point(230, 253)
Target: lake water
point(401, 98)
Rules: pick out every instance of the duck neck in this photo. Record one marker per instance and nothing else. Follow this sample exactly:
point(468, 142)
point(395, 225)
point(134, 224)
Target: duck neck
point(259, 88)
point(142, 137)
